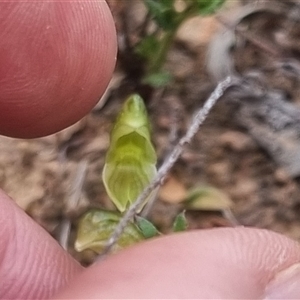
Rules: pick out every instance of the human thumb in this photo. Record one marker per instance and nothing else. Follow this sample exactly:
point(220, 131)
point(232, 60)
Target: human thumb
point(238, 263)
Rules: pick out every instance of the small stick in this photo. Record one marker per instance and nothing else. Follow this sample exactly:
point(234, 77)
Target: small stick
point(256, 41)
point(72, 203)
point(169, 162)
point(173, 138)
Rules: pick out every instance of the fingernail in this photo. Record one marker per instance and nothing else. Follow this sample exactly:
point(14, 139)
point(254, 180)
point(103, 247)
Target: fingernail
point(285, 285)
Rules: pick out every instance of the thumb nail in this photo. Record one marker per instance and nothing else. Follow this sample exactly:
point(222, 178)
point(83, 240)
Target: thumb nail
point(285, 285)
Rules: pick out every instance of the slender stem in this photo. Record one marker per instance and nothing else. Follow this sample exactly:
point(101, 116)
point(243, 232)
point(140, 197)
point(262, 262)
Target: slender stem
point(157, 63)
point(160, 58)
point(169, 162)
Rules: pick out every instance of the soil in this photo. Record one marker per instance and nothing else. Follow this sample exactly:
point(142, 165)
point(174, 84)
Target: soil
point(57, 178)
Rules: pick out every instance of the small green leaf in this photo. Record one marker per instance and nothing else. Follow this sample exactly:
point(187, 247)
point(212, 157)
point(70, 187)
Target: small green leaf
point(130, 163)
point(158, 80)
point(207, 198)
point(96, 226)
point(206, 7)
point(146, 227)
point(180, 223)
point(147, 46)
point(163, 12)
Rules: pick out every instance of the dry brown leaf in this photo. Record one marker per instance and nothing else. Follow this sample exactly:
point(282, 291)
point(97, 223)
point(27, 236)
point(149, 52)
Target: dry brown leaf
point(198, 31)
point(173, 191)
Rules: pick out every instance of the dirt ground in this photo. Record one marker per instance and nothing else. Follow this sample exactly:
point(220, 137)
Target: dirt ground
point(56, 178)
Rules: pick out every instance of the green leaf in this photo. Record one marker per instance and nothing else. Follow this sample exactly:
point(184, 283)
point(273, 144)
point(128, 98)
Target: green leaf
point(206, 7)
point(130, 163)
point(163, 13)
point(158, 80)
point(147, 46)
point(207, 198)
point(163, 4)
point(180, 223)
point(96, 226)
point(146, 227)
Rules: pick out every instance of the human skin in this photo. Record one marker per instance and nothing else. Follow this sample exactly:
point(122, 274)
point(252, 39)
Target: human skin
point(236, 263)
point(56, 59)
point(224, 263)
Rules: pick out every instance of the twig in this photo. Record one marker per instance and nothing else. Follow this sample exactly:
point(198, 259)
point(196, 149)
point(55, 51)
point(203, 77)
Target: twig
point(76, 189)
point(144, 26)
point(146, 210)
point(175, 120)
point(267, 47)
point(64, 234)
point(72, 203)
point(227, 214)
point(124, 20)
point(173, 139)
point(169, 162)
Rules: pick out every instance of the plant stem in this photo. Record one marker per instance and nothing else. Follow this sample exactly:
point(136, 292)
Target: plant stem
point(157, 63)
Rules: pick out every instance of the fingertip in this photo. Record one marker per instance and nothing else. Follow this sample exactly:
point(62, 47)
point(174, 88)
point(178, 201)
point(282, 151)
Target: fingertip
point(32, 264)
point(56, 60)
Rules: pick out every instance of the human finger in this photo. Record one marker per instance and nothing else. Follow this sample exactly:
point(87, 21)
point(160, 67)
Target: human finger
point(56, 59)
point(32, 264)
point(227, 263)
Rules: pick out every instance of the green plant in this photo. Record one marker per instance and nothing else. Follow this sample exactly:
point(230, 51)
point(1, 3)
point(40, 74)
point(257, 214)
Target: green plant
point(180, 222)
point(154, 47)
point(130, 171)
point(96, 226)
point(129, 167)
point(130, 162)
point(120, 227)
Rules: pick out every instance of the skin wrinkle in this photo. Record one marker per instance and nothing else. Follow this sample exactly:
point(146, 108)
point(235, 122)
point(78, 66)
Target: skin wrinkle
point(218, 258)
point(27, 274)
point(15, 246)
point(14, 267)
point(219, 268)
point(28, 59)
point(238, 264)
point(5, 289)
point(4, 227)
point(30, 255)
point(259, 263)
point(277, 250)
point(206, 264)
point(283, 256)
point(61, 64)
point(12, 43)
point(84, 80)
point(39, 270)
point(49, 262)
